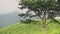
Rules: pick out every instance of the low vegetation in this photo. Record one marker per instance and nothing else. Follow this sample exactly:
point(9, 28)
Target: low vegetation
point(31, 28)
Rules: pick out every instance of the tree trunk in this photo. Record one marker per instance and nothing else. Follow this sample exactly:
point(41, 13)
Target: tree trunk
point(44, 24)
point(44, 21)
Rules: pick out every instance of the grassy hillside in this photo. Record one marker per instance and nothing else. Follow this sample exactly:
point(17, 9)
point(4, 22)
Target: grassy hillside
point(22, 28)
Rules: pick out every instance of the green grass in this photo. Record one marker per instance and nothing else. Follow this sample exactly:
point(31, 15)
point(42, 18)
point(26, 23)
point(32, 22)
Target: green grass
point(22, 28)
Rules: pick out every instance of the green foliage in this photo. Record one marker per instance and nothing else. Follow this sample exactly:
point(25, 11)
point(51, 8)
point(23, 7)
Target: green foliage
point(21, 28)
point(40, 7)
point(38, 4)
point(21, 14)
point(29, 21)
point(44, 9)
point(47, 8)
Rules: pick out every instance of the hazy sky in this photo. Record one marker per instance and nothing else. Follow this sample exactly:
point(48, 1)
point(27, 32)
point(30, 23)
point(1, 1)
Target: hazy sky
point(7, 6)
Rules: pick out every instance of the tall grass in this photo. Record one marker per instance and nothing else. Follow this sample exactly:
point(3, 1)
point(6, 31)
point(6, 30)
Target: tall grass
point(22, 28)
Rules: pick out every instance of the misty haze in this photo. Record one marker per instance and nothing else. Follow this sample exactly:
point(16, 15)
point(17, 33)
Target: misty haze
point(9, 18)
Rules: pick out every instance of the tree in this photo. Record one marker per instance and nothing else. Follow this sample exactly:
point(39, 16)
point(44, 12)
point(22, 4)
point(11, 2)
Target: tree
point(44, 9)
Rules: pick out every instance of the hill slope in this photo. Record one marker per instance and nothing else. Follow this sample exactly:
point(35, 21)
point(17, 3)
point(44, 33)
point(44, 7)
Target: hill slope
point(9, 18)
point(22, 28)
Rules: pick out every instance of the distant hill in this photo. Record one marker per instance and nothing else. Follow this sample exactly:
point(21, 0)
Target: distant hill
point(10, 18)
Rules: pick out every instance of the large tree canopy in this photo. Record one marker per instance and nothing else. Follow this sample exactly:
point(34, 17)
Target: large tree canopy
point(45, 9)
point(39, 6)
